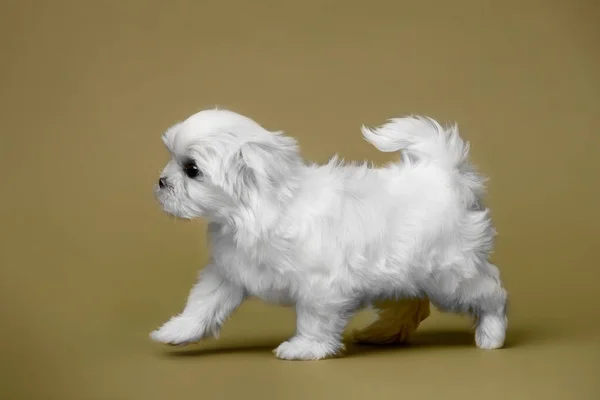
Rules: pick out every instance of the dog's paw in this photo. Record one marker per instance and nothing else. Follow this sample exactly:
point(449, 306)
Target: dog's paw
point(490, 332)
point(179, 331)
point(299, 348)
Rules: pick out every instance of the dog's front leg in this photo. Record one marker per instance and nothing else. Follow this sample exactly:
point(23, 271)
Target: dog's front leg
point(210, 302)
point(319, 331)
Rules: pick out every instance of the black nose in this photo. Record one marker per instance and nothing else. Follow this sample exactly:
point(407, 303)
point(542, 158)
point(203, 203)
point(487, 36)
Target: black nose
point(162, 182)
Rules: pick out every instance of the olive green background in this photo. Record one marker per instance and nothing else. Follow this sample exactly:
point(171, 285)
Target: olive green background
point(90, 265)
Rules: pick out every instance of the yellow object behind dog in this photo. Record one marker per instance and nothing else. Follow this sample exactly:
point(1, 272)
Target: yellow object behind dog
point(398, 319)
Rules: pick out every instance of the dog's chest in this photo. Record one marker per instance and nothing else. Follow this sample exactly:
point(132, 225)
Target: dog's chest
point(261, 273)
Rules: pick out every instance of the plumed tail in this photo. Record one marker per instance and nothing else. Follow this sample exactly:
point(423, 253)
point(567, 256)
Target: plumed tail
point(420, 139)
point(423, 139)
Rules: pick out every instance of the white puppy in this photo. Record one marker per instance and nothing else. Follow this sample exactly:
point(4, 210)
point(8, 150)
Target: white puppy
point(330, 239)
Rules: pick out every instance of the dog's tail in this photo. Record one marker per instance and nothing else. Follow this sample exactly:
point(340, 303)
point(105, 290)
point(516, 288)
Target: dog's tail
point(422, 139)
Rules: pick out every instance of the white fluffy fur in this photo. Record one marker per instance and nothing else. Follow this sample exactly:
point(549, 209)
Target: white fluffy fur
point(330, 239)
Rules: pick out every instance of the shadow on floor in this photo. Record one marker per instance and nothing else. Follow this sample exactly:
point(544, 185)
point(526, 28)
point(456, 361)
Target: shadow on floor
point(424, 340)
point(259, 347)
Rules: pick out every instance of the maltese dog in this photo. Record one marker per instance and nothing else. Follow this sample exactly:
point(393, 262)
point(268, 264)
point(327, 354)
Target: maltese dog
point(330, 239)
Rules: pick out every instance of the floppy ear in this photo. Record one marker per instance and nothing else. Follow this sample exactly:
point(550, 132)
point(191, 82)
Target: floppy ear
point(265, 164)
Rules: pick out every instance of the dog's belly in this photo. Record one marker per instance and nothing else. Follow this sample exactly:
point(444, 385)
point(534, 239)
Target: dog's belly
point(271, 291)
point(275, 297)
point(264, 283)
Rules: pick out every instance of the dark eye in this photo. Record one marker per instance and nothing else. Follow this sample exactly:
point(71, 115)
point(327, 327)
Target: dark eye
point(191, 169)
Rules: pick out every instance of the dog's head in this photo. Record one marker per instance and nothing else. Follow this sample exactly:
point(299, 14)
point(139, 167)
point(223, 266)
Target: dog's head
point(222, 162)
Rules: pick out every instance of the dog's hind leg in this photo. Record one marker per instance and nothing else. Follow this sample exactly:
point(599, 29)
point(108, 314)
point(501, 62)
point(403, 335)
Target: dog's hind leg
point(489, 309)
point(397, 320)
point(482, 296)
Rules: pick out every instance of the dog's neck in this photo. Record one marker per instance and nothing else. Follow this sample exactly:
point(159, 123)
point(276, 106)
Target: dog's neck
point(255, 221)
